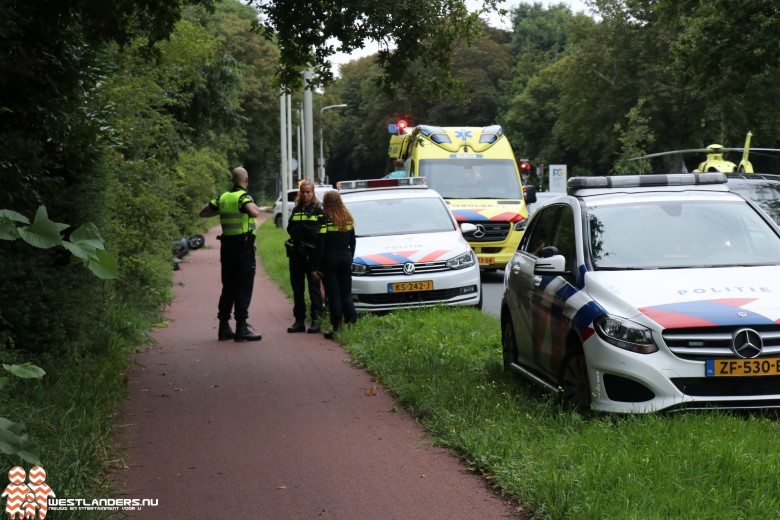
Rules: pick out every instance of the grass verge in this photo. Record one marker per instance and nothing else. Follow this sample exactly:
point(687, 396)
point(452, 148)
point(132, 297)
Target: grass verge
point(444, 365)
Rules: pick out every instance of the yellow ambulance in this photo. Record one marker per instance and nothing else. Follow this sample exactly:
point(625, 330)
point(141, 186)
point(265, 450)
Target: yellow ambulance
point(475, 171)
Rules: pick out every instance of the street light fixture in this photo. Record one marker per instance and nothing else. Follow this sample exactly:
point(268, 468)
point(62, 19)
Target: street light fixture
point(322, 159)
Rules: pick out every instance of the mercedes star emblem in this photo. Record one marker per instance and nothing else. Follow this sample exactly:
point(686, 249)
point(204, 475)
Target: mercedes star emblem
point(746, 343)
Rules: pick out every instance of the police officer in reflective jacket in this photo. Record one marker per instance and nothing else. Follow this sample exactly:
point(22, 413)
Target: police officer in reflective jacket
point(335, 250)
point(303, 228)
point(237, 212)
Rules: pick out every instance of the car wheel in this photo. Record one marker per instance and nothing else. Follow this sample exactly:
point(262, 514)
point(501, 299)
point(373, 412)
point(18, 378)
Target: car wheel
point(508, 344)
point(278, 221)
point(575, 386)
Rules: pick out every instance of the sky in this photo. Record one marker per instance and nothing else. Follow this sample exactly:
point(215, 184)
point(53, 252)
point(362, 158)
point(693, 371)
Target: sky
point(577, 6)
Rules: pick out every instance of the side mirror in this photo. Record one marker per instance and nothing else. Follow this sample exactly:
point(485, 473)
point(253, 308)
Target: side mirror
point(530, 194)
point(467, 229)
point(552, 265)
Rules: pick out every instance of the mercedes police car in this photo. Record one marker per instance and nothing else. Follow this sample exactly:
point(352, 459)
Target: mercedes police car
point(650, 292)
point(410, 251)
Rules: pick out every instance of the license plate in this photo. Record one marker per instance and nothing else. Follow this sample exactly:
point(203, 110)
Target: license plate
point(742, 367)
point(486, 260)
point(426, 285)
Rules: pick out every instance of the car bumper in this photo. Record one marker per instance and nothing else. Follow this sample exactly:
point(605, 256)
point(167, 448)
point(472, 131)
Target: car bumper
point(623, 381)
point(456, 287)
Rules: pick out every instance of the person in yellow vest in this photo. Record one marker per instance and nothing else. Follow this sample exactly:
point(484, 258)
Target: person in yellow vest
point(303, 227)
point(335, 251)
point(237, 213)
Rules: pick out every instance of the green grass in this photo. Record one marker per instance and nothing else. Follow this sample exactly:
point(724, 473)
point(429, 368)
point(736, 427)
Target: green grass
point(444, 365)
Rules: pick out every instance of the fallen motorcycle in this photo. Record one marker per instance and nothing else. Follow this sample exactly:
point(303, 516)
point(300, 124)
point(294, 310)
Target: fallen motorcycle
point(183, 246)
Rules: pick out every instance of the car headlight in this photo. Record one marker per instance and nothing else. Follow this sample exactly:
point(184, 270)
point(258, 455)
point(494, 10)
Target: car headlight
point(625, 334)
point(521, 224)
point(467, 259)
point(359, 269)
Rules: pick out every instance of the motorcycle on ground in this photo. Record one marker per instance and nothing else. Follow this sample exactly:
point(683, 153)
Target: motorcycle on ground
point(183, 246)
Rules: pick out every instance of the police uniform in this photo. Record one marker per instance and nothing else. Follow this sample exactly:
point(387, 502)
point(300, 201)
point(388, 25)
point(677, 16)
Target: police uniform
point(237, 258)
point(303, 227)
point(335, 250)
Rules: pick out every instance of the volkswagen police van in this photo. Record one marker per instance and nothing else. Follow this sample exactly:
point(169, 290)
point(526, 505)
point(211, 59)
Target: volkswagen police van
point(401, 263)
point(475, 171)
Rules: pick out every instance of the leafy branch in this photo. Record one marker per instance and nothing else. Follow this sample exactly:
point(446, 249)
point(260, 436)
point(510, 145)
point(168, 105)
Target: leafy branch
point(85, 243)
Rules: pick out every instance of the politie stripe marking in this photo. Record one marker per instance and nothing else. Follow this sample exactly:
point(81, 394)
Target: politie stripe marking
point(705, 313)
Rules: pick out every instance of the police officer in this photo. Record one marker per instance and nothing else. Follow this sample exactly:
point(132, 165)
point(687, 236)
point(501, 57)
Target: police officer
point(335, 250)
point(303, 228)
point(237, 212)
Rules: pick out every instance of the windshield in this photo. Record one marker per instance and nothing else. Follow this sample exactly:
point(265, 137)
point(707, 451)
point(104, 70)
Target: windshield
point(765, 194)
point(675, 234)
point(472, 178)
point(400, 216)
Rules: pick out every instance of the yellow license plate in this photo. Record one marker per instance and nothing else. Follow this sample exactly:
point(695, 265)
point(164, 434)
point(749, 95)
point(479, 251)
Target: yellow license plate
point(486, 260)
point(742, 367)
point(426, 285)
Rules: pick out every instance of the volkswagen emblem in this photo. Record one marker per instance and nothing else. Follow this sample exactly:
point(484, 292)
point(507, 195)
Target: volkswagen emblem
point(480, 232)
point(746, 343)
point(409, 268)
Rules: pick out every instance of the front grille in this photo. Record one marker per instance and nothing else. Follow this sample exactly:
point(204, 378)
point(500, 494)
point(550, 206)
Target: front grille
point(411, 297)
point(731, 386)
point(698, 344)
point(494, 231)
point(398, 269)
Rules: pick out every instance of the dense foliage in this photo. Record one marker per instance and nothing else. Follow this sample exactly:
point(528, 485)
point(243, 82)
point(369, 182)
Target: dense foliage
point(592, 91)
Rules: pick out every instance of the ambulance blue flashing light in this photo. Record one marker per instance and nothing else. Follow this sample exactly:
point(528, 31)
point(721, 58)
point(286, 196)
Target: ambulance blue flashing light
point(490, 134)
point(642, 181)
point(381, 183)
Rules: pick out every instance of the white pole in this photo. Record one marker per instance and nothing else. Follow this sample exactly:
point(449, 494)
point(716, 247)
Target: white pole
point(289, 141)
point(283, 150)
point(301, 143)
point(308, 127)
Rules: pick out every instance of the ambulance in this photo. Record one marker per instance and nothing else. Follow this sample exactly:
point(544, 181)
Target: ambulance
point(475, 171)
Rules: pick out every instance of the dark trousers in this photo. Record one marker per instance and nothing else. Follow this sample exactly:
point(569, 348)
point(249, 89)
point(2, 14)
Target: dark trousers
point(337, 272)
point(300, 275)
point(237, 257)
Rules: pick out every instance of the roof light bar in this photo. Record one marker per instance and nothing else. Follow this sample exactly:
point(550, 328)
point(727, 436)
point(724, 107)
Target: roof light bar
point(380, 183)
point(640, 181)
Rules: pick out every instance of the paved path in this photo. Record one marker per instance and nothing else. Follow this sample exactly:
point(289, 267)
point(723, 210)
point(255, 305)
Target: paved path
point(284, 428)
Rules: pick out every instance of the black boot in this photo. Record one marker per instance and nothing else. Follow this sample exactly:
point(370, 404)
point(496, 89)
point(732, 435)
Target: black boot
point(298, 326)
point(244, 332)
point(314, 327)
point(225, 332)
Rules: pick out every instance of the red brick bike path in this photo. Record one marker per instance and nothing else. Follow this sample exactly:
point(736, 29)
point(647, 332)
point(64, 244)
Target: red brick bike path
point(284, 428)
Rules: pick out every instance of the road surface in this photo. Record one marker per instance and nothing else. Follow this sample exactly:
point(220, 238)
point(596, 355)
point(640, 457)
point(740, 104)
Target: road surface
point(284, 428)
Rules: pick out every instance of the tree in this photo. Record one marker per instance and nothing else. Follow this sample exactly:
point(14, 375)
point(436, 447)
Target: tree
point(425, 30)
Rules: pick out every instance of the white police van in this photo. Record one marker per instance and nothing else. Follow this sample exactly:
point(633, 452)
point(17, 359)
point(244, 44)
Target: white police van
point(410, 250)
point(650, 292)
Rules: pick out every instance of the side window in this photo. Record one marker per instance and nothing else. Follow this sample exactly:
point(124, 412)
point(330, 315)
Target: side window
point(291, 196)
point(563, 237)
point(541, 232)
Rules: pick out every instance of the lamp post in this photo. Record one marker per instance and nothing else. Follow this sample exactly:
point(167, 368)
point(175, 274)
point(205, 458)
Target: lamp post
point(322, 158)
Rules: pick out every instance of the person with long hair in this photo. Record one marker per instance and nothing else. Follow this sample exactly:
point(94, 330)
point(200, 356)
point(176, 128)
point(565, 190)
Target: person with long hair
point(303, 228)
point(335, 250)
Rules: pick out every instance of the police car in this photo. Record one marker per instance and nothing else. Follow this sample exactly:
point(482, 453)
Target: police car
point(410, 251)
point(643, 293)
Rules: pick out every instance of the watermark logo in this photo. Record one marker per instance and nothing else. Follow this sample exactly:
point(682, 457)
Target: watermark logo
point(27, 499)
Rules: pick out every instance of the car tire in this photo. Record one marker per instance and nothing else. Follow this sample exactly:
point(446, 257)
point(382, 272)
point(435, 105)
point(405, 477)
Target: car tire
point(278, 221)
point(508, 343)
point(574, 382)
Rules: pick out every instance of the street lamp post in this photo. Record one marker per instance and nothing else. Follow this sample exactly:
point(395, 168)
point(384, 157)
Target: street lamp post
point(322, 158)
